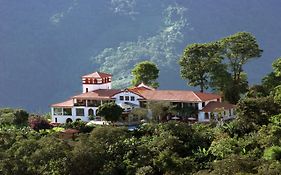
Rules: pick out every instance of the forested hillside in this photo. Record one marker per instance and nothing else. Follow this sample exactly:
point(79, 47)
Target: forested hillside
point(45, 46)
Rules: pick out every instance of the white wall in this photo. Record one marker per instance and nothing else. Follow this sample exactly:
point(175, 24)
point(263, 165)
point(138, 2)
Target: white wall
point(128, 93)
point(201, 117)
point(200, 107)
point(92, 87)
point(227, 116)
point(63, 118)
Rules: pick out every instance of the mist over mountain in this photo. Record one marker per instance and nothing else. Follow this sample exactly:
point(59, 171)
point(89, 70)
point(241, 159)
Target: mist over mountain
point(45, 46)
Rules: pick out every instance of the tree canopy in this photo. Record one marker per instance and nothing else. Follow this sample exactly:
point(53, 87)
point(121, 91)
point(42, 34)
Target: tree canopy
point(145, 72)
point(219, 64)
point(197, 63)
point(110, 111)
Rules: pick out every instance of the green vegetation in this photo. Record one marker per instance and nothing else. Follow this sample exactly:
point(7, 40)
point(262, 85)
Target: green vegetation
point(249, 144)
point(145, 72)
point(219, 64)
point(159, 48)
point(110, 111)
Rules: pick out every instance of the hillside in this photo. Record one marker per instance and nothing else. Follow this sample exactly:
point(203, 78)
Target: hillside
point(46, 46)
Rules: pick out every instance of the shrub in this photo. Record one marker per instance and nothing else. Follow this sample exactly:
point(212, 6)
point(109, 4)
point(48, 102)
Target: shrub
point(37, 123)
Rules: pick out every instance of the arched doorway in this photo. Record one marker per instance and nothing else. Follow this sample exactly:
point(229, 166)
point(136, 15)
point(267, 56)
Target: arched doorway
point(68, 120)
point(90, 112)
point(79, 119)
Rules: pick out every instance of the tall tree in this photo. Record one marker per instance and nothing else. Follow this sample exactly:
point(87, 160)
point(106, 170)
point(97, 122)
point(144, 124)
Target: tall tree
point(145, 72)
point(110, 111)
point(238, 49)
point(197, 62)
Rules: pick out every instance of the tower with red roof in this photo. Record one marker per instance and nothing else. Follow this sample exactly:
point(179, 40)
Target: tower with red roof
point(95, 81)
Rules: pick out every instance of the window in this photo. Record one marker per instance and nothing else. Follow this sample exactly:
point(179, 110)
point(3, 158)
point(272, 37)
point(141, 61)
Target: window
point(56, 120)
point(207, 116)
point(196, 105)
point(67, 111)
point(79, 112)
point(57, 111)
point(127, 98)
point(143, 104)
point(90, 112)
point(132, 98)
point(121, 98)
point(203, 104)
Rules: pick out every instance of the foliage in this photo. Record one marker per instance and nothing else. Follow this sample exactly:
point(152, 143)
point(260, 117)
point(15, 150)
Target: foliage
point(145, 72)
point(220, 64)
point(110, 111)
point(239, 49)
point(160, 110)
point(79, 125)
point(273, 153)
point(270, 81)
point(234, 165)
point(159, 48)
point(277, 67)
point(37, 123)
point(13, 116)
point(139, 113)
point(197, 63)
point(255, 112)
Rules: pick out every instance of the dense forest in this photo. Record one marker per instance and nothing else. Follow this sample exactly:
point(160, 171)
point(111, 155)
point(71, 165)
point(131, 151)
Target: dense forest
point(249, 144)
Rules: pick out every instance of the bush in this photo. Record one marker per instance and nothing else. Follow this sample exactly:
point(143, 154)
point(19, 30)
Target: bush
point(37, 123)
point(79, 125)
point(13, 116)
point(272, 153)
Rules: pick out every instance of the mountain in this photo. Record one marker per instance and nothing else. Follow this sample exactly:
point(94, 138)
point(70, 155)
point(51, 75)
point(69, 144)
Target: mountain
point(45, 46)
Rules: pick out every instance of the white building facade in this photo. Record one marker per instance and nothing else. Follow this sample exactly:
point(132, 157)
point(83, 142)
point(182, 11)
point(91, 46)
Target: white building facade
point(96, 90)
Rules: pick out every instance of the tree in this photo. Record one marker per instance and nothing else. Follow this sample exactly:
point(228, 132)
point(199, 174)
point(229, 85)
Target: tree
point(160, 110)
point(37, 123)
point(197, 62)
point(277, 67)
point(13, 116)
point(145, 72)
point(110, 111)
point(270, 81)
point(239, 49)
point(255, 112)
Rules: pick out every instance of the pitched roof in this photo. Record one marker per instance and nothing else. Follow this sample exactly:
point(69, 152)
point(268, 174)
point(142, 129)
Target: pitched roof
point(98, 94)
point(142, 85)
point(129, 90)
point(212, 106)
point(97, 75)
point(176, 95)
point(170, 95)
point(68, 103)
point(207, 96)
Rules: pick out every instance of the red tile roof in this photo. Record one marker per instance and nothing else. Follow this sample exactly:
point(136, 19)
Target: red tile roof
point(98, 94)
point(207, 96)
point(173, 95)
point(97, 75)
point(68, 103)
point(212, 106)
point(150, 95)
